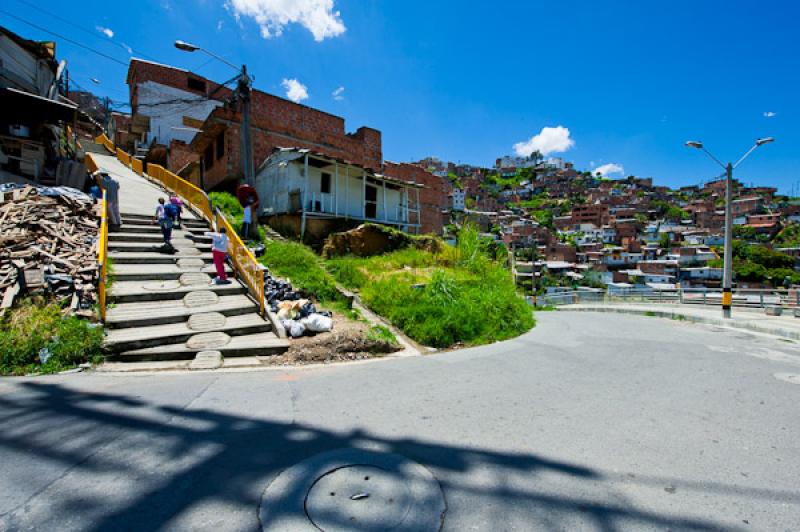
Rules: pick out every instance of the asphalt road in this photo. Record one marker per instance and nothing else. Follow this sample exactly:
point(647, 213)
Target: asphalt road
point(589, 422)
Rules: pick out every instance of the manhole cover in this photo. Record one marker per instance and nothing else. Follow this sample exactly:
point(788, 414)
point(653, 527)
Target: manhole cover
point(793, 378)
point(209, 340)
point(206, 321)
point(358, 497)
point(162, 285)
point(200, 298)
point(191, 263)
point(193, 278)
point(353, 489)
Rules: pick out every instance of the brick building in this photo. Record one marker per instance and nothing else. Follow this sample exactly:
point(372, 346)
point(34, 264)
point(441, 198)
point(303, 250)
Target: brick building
point(190, 116)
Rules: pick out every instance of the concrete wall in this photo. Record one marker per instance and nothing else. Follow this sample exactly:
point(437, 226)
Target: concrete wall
point(165, 117)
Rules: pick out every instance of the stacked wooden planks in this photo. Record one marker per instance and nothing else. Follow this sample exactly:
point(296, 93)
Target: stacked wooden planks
point(48, 245)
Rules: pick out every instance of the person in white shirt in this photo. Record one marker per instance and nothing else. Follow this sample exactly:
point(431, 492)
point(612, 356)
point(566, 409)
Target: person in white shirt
point(247, 221)
point(219, 248)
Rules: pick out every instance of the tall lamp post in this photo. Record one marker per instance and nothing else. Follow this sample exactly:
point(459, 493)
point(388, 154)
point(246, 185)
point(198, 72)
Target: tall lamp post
point(243, 92)
point(727, 276)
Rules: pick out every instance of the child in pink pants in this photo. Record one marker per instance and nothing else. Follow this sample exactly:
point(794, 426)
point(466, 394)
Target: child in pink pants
point(219, 248)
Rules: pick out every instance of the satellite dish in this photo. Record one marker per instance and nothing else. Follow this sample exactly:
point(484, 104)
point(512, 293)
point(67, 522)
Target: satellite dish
point(62, 66)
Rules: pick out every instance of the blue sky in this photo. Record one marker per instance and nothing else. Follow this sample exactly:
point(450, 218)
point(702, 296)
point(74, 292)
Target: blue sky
point(467, 80)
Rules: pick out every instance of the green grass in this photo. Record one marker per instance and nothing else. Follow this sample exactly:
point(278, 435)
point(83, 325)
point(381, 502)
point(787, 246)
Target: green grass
point(25, 330)
point(457, 296)
point(301, 266)
point(379, 333)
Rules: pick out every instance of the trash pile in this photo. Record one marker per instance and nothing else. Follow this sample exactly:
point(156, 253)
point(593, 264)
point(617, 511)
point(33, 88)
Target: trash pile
point(297, 315)
point(48, 245)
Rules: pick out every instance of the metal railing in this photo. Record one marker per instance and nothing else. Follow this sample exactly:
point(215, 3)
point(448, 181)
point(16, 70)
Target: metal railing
point(137, 165)
point(195, 197)
point(106, 142)
point(102, 259)
point(244, 262)
point(742, 297)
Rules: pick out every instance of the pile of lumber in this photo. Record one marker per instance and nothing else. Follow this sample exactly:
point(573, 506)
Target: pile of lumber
point(48, 245)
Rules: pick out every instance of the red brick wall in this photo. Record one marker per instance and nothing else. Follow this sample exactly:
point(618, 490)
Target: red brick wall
point(275, 122)
point(433, 198)
point(179, 156)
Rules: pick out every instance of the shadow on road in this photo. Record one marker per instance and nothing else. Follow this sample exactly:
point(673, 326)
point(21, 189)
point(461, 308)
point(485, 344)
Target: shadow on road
point(127, 464)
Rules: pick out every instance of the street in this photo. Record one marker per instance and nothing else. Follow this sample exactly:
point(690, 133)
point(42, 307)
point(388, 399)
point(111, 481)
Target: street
point(588, 422)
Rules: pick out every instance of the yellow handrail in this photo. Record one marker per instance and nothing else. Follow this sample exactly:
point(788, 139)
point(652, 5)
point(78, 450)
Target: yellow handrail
point(102, 259)
point(91, 164)
point(244, 262)
point(123, 157)
point(196, 197)
point(106, 142)
point(137, 166)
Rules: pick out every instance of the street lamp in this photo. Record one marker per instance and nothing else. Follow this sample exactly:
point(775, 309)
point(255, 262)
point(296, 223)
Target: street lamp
point(243, 91)
point(727, 275)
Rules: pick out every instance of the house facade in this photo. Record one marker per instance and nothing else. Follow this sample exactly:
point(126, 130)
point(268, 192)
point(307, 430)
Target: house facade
point(310, 194)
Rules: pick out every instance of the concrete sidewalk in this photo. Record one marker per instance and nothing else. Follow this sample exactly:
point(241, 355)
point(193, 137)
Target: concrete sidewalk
point(137, 195)
point(786, 326)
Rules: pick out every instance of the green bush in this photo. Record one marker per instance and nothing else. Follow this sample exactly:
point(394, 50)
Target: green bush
point(31, 327)
point(227, 203)
point(467, 298)
point(302, 267)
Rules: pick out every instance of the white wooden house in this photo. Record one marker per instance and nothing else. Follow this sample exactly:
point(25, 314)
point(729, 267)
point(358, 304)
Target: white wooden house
point(299, 185)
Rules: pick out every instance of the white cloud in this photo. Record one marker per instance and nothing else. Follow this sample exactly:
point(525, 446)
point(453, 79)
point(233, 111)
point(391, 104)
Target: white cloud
point(337, 94)
point(128, 48)
point(219, 25)
point(272, 16)
point(549, 140)
point(770, 114)
point(107, 31)
point(295, 91)
point(609, 169)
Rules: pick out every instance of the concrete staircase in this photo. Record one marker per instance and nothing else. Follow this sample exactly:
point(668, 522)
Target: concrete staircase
point(163, 307)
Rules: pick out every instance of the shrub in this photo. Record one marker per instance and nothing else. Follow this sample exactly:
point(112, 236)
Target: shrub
point(466, 298)
point(34, 326)
point(302, 267)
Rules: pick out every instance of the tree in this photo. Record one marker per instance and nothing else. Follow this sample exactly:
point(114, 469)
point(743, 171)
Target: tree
point(664, 241)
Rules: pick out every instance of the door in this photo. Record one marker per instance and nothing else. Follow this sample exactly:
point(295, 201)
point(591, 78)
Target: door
point(371, 202)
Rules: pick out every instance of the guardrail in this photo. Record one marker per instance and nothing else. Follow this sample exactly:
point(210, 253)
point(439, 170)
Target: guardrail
point(102, 259)
point(743, 297)
point(106, 142)
point(193, 195)
point(244, 261)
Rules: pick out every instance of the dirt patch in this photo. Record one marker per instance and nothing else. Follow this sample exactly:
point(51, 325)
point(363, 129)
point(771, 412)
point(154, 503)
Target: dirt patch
point(349, 340)
point(367, 240)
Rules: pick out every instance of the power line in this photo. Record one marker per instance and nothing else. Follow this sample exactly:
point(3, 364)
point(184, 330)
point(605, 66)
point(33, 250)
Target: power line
point(76, 43)
point(93, 34)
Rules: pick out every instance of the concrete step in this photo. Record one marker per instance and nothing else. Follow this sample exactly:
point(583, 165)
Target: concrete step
point(177, 235)
point(132, 291)
point(143, 337)
point(188, 219)
point(117, 245)
point(160, 272)
point(152, 257)
point(260, 344)
point(147, 313)
point(154, 228)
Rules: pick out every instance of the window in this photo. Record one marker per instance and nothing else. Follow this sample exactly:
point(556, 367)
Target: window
point(220, 145)
point(325, 183)
point(196, 84)
point(208, 157)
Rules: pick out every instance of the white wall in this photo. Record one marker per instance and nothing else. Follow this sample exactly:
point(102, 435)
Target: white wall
point(166, 116)
point(284, 174)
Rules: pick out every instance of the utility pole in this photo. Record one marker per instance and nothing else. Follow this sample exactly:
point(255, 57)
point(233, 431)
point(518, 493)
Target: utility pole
point(727, 273)
point(246, 153)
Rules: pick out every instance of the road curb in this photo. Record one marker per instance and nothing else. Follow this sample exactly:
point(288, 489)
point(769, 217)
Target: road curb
point(680, 316)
